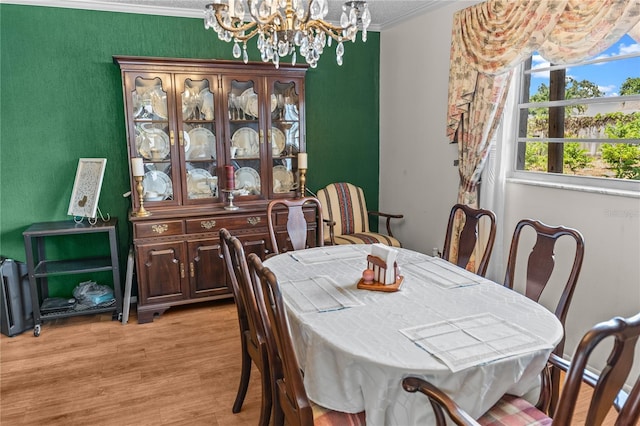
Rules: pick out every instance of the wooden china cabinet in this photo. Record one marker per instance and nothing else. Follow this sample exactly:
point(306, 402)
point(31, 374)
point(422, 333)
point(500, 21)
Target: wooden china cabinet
point(189, 120)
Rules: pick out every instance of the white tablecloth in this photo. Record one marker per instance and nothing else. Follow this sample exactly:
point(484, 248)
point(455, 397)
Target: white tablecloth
point(355, 358)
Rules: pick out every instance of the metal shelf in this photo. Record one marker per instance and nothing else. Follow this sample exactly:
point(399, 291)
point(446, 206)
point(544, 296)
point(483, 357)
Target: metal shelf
point(73, 266)
point(40, 268)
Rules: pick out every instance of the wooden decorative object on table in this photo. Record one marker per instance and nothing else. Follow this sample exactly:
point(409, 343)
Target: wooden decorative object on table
point(373, 278)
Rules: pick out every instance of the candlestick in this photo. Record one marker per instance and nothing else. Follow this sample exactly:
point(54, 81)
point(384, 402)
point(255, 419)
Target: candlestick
point(137, 166)
point(302, 160)
point(139, 189)
point(230, 206)
point(302, 169)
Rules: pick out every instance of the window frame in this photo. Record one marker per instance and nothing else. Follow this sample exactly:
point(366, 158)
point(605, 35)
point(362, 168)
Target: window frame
point(613, 186)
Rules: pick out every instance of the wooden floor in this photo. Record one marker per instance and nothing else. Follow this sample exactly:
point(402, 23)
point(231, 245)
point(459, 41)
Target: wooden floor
point(182, 369)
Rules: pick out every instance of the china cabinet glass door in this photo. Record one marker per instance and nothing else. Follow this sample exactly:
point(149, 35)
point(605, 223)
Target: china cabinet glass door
point(198, 137)
point(152, 135)
point(285, 135)
point(245, 132)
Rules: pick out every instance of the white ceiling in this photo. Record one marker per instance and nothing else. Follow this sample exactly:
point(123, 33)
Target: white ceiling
point(384, 13)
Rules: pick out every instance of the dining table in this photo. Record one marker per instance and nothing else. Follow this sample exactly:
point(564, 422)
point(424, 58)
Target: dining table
point(473, 338)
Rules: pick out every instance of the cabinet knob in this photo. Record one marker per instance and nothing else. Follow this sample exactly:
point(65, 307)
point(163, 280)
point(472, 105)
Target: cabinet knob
point(181, 270)
point(253, 220)
point(192, 271)
point(171, 138)
point(261, 136)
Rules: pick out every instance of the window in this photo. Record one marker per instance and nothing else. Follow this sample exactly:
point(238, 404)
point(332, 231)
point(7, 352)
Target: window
point(582, 121)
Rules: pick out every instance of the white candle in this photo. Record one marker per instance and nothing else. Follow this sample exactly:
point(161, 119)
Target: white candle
point(137, 166)
point(302, 160)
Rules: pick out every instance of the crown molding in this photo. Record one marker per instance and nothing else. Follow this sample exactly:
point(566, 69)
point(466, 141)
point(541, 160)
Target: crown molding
point(112, 7)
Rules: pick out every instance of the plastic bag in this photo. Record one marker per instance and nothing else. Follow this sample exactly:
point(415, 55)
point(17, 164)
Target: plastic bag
point(90, 294)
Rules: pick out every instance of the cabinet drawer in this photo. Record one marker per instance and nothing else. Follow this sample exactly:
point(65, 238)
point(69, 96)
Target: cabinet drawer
point(204, 224)
point(215, 223)
point(157, 229)
point(245, 221)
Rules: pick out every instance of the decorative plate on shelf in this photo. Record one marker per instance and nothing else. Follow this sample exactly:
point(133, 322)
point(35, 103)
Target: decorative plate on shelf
point(246, 139)
point(159, 183)
point(248, 178)
point(282, 179)
point(153, 144)
point(200, 184)
point(186, 140)
point(252, 102)
point(277, 141)
point(159, 103)
point(202, 144)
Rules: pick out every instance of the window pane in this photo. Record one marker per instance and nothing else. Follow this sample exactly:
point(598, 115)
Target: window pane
point(583, 119)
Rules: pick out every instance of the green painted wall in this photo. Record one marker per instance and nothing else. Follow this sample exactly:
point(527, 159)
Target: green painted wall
point(61, 100)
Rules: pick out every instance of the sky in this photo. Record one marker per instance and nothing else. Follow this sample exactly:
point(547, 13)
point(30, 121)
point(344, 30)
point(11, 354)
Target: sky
point(608, 76)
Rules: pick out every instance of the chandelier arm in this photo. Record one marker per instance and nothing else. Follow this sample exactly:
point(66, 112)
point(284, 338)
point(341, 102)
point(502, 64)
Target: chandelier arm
point(232, 29)
point(334, 31)
point(269, 20)
point(244, 38)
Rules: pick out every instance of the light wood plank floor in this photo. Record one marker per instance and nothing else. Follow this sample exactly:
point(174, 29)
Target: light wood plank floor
point(182, 369)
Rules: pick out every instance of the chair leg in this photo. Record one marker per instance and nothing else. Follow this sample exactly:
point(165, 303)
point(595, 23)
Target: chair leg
point(267, 397)
point(245, 375)
point(278, 414)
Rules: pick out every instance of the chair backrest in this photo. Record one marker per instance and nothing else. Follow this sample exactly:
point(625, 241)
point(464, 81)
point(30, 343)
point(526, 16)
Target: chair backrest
point(294, 405)
point(607, 387)
point(344, 203)
point(467, 237)
point(541, 264)
point(297, 227)
point(225, 238)
point(236, 262)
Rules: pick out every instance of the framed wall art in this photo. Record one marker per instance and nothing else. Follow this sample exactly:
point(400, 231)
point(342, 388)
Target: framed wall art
point(86, 188)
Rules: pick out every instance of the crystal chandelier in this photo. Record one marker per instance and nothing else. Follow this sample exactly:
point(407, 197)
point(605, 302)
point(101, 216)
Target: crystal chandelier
point(284, 25)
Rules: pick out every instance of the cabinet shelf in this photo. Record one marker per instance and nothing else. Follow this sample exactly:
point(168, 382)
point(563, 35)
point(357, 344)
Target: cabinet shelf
point(72, 266)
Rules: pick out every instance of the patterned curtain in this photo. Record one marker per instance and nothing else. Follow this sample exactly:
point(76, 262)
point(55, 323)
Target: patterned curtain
point(489, 39)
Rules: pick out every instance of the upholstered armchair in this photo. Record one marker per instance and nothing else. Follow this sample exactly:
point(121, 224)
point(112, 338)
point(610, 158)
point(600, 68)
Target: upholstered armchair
point(346, 217)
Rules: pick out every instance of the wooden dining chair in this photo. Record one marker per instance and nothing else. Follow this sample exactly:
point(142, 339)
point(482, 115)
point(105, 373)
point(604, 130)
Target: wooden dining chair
point(297, 228)
point(607, 387)
point(541, 263)
point(252, 334)
point(291, 404)
point(346, 217)
point(467, 238)
point(539, 267)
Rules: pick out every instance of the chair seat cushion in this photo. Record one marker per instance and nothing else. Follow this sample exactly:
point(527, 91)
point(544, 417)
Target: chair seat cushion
point(367, 238)
point(325, 417)
point(514, 411)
